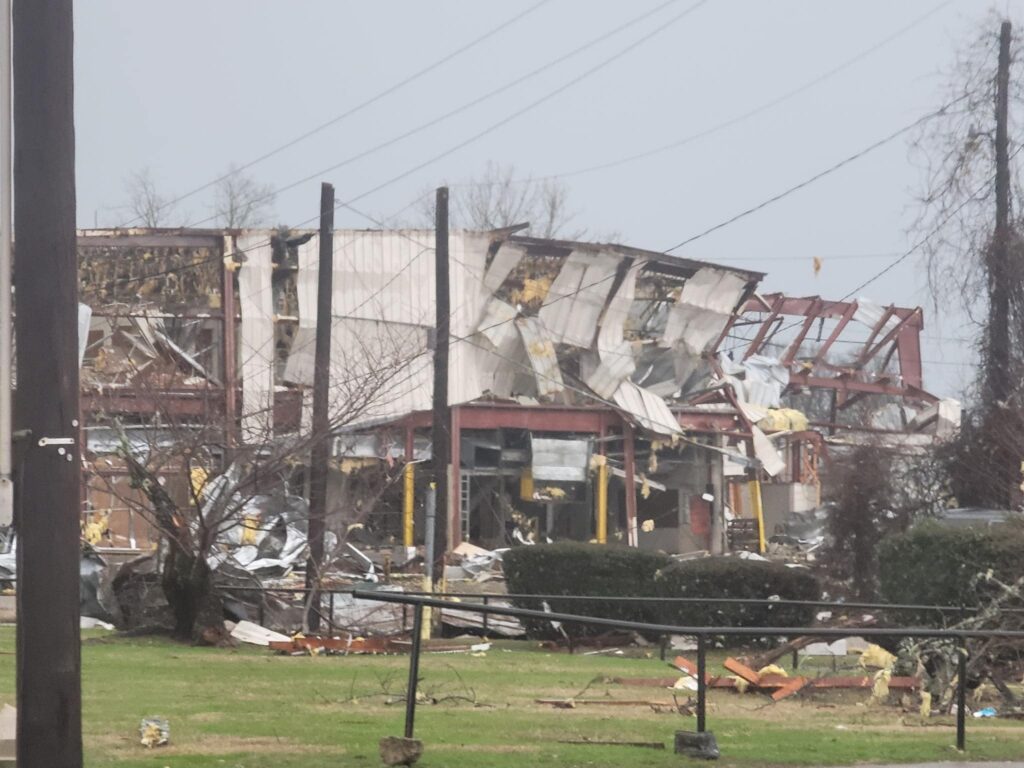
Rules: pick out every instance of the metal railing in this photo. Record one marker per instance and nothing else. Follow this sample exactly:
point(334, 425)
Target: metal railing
point(941, 611)
point(419, 602)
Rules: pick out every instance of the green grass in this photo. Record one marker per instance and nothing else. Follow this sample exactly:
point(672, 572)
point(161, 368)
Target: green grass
point(246, 708)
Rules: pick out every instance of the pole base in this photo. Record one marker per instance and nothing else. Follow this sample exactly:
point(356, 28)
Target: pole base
point(395, 750)
point(699, 745)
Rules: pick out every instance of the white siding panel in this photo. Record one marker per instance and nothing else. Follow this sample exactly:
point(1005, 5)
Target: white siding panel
point(647, 409)
point(578, 296)
point(256, 342)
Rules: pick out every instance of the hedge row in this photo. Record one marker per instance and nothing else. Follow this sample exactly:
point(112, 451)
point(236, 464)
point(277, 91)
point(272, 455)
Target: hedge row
point(609, 571)
point(937, 565)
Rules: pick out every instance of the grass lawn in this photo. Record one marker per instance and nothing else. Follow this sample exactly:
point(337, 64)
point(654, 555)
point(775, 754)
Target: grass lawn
point(246, 708)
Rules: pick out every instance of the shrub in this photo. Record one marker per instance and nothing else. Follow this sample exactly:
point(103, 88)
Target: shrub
point(570, 568)
point(606, 571)
point(730, 577)
point(936, 565)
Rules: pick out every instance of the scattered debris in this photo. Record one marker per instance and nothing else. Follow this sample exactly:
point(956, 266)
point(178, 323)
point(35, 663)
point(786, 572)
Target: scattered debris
point(573, 703)
point(254, 634)
point(154, 732)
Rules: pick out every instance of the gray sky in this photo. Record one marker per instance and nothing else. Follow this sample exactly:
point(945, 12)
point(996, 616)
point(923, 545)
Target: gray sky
point(186, 88)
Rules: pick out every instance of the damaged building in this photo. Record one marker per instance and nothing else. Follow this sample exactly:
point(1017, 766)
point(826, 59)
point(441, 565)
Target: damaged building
point(599, 392)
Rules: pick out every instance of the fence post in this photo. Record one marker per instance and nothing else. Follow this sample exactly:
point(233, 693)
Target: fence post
point(414, 670)
point(702, 689)
point(961, 700)
point(486, 617)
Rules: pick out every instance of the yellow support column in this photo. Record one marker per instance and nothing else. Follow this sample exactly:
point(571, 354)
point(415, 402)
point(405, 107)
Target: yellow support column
point(755, 498)
point(602, 503)
point(408, 500)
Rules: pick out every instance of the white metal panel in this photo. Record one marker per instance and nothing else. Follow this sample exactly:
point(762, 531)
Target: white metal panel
point(378, 371)
point(497, 325)
point(703, 309)
point(505, 260)
point(767, 454)
point(387, 278)
point(614, 367)
point(578, 296)
point(541, 352)
point(613, 324)
point(713, 289)
point(648, 410)
point(695, 326)
point(256, 342)
point(560, 460)
point(870, 314)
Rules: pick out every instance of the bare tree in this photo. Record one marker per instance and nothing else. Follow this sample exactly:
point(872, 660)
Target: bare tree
point(499, 198)
point(148, 207)
point(240, 201)
point(226, 470)
point(970, 225)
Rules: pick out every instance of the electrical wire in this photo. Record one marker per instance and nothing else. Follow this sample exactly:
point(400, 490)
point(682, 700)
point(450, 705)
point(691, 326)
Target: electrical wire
point(816, 177)
point(357, 108)
point(743, 117)
point(500, 123)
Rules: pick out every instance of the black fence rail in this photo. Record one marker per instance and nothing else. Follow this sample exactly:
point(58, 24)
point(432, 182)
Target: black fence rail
point(702, 634)
point(941, 612)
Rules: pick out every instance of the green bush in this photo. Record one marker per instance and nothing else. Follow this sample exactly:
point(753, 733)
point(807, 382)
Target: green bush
point(731, 577)
point(936, 565)
point(570, 568)
point(607, 571)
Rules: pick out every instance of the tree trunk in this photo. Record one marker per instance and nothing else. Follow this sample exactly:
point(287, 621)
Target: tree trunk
point(187, 584)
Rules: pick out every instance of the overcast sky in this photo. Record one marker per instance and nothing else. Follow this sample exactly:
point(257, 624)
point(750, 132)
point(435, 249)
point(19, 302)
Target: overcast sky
point(186, 88)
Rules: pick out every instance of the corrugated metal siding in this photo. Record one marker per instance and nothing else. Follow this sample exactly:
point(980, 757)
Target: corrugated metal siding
point(703, 309)
point(256, 341)
point(542, 356)
point(388, 277)
point(578, 296)
point(650, 411)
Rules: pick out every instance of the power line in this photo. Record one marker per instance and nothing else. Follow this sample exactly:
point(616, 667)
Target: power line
point(358, 107)
point(816, 177)
point(763, 107)
point(509, 117)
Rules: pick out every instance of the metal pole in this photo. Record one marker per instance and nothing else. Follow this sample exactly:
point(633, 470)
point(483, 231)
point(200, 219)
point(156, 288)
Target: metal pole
point(961, 701)
point(441, 446)
point(702, 687)
point(330, 616)
point(414, 671)
point(320, 436)
point(431, 513)
point(486, 616)
point(6, 237)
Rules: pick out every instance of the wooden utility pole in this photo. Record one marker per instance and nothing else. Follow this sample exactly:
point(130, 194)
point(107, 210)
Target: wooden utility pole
point(1000, 272)
point(1002, 437)
point(442, 418)
point(321, 407)
point(46, 404)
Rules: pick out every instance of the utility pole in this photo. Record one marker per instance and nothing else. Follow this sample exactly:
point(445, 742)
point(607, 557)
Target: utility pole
point(321, 416)
point(6, 238)
point(442, 418)
point(1000, 272)
point(49, 729)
